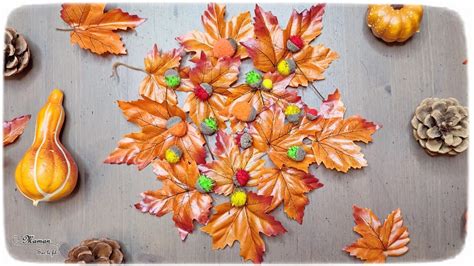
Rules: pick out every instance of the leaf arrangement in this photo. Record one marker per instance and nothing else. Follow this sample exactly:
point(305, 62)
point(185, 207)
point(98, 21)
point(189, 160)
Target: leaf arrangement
point(262, 117)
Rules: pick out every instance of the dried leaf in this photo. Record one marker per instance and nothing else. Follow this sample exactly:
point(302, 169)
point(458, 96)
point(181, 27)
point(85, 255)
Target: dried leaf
point(229, 159)
point(239, 29)
point(378, 241)
point(14, 128)
point(93, 29)
point(272, 134)
point(244, 224)
point(288, 186)
point(307, 24)
point(143, 147)
point(178, 195)
point(332, 107)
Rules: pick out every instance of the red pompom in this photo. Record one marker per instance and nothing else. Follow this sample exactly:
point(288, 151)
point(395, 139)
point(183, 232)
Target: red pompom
point(242, 177)
point(297, 40)
point(201, 93)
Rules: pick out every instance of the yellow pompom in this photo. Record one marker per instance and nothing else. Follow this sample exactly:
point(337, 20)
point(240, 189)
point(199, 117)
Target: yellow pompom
point(238, 198)
point(267, 84)
point(292, 110)
point(286, 67)
point(173, 154)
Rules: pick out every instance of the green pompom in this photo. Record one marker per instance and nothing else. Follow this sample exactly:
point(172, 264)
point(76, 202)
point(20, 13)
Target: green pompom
point(205, 184)
point(253, 78)
point(296, 153)
point(172, 78)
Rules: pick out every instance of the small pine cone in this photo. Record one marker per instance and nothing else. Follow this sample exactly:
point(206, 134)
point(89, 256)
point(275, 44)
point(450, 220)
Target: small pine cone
point(16, 53)
point(96, 251)
point(441, 126)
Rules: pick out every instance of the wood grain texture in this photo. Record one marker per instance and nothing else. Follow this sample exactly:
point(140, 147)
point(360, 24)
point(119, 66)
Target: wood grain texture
point(383, 83)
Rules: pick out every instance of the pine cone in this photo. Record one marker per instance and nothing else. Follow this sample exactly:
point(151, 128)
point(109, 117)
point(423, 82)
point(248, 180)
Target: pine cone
point(16, 53)
point(441, 126)
point(97, 251)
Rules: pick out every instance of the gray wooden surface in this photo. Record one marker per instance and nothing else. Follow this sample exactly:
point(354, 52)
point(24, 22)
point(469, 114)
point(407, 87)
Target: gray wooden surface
point(383, 83)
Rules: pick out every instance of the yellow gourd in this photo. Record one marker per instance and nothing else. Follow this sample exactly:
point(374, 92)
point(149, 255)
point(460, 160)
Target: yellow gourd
point(47, 171)
point(394, 23)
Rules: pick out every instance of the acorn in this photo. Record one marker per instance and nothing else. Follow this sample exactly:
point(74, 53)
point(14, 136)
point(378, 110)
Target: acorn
point(209, 126)
point(172, 78)
point(293, 113)
point(205, 184)
point(173, 154)
point(286, 67)
point(244, 111)
point(224, 47)
point(311, 114)
point(244, 140)
point(203, 91)
point(294, 43)
point(296, 153)
point(238, 198)
point(241, 177)
point(267, 84)
point(253, 78)
point(176, 126)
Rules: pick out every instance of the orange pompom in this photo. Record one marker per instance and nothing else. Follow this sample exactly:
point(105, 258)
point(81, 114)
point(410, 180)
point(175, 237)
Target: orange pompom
point(244, 111)
point(224, 47)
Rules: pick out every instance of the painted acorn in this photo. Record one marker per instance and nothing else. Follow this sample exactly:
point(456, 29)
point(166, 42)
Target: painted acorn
point(224, 47)
point(203, 91)
point(47, 171)
point(293, 113)
point(254, 78)
point(286, 67)
point(208, 126)
point(172, 78)
point(294, 43)
point(296, 153)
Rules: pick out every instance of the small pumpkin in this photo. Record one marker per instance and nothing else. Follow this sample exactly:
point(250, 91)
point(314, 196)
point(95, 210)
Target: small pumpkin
point(47, 171)
point(394, 23)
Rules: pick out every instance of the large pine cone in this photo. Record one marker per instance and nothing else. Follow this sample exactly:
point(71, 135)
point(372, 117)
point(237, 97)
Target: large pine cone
point(441, 126)
point(102, 250)
point(16, 53)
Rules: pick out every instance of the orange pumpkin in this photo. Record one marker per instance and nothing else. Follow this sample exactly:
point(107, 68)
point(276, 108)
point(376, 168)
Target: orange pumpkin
point(394, 23)
point(47, 172)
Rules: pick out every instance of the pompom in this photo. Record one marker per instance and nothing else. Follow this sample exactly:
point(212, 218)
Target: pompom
point(209, 126)
point(311, 114)
point(176, 126)
point(238, 198)
point(173, 154)
point(224, 47)
point(242, 177)
point(294, 43)
point(253, 78)
point(293, 113)
point(244, 111)
point(267, 84)
point(172, 78)
point(203, 91)
point(286, 67)
point(205, 184)
point(296, 153)
point(244, 140)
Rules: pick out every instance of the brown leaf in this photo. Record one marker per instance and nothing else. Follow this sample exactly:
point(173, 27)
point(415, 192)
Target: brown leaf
point(378, 241)
point(143, 147)
point(244, 224)
point(288, 186)
point(93, 29)
point(14, 128)
point(178, 195)
point(229, 160)
point(307, 24)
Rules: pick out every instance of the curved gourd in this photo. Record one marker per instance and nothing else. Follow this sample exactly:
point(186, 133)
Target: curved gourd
point(47, 171)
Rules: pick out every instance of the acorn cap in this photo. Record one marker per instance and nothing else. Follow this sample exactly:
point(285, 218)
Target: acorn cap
point(245, 140)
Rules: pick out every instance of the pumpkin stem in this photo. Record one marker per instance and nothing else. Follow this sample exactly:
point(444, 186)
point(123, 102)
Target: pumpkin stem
point(397, 6)
point(117, 64)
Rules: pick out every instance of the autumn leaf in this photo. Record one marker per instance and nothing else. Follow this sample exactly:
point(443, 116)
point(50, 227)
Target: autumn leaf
point(288, 186)
point(378, 241)
point(259, 98)
point(269, 46)
point(332, 107)
point(178, 195)
point(230, 160)
point(272, 134)
point(141, 148)
point(238, 28)
point(244, 224)
point(14, 128)
point(93, 29)
point(218, 77)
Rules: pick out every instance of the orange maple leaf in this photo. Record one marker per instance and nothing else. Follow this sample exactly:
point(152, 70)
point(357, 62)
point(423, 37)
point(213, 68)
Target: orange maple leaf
point(244, 224)
point(178, 195)
point(93, 29)
point(143, 147)
point(272, 134)
point(14, 128)
point(157, 63)
point(229, 160)
point(378, 241)
point(287, 186)
point(219, 76)
point(270, 45)
point(238, 29)
point(260, 98)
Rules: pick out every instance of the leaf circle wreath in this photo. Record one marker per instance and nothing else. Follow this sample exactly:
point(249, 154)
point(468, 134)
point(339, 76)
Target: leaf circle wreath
point(266, 116)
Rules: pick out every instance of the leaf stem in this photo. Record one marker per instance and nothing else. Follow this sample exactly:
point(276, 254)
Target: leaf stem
point(310, 83)
point(59, 29)
point(209, 148)
point(117, 64)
